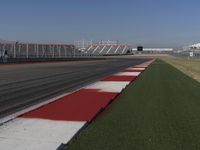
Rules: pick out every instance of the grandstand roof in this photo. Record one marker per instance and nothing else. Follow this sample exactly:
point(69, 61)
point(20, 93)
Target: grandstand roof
point(196, 46)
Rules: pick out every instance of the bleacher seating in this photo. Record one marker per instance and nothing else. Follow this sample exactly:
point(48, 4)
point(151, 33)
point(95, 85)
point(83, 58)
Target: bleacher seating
point(100, 49)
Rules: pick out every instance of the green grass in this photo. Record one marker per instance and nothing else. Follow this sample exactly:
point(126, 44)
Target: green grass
point(160, 111)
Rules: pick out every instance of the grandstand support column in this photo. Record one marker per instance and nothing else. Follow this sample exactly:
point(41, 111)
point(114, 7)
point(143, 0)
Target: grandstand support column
point(59, 51)
point(37, 51)
point(19, 49)
point(95, 49)
point(102, 49)
point(117, 49)
point(88, 49)
point(56, 51)
point(53, 48)
point(4, 49)
point(125, 47)
point(11, 48)
point(50, 50)
point(14, 50)
point(43, 51)
point(65, 51)
point(74, 52)
point(109, 49)
point(0, 50)
point(27, 50)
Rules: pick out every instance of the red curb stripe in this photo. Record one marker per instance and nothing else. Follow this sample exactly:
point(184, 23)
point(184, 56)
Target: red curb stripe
point(132, 70)
point(141, 66)
point(120, 78)
point(80, 106)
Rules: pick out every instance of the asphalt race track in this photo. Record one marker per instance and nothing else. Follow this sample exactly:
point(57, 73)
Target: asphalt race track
point(24, 85)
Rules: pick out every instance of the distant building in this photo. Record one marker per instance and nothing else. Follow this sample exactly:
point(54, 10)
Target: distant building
point(194, 46)
point(140, 49)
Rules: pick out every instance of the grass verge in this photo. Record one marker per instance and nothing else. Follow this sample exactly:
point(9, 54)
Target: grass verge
point(160, 111)
point(190, 67)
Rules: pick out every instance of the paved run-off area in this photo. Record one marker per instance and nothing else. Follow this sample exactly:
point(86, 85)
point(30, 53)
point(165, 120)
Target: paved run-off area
point(159, 111)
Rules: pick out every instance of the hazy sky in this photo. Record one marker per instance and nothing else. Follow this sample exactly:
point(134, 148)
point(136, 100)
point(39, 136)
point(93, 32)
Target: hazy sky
point(152, 23)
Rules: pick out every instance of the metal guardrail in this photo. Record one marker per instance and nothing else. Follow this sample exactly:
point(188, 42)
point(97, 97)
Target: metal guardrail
point(34, 60)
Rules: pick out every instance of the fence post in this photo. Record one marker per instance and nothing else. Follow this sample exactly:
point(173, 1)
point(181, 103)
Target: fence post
point(27, 53)
point(14, 50)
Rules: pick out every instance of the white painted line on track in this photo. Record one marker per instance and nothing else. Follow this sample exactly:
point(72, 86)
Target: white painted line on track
point(108, 86)
point(37, 134)
point(128, 74)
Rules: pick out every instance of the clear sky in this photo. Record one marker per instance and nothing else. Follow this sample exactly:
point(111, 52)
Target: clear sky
point(152, 23)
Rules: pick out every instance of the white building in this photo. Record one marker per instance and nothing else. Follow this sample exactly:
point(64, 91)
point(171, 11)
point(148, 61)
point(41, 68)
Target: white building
point(154, 50)
point(195, 46)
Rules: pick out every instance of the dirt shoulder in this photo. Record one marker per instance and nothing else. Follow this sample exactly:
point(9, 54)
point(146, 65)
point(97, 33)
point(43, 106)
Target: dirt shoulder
point(191, 67)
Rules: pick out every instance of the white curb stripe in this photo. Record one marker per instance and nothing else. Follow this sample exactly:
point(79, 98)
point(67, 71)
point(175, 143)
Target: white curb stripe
point(108, 86)
point(143, 66)
point(136, 69)
point(128, 74)
point(37, 134)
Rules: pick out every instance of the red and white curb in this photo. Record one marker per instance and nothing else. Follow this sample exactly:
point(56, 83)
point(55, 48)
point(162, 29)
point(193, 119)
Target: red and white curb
point(58, 121)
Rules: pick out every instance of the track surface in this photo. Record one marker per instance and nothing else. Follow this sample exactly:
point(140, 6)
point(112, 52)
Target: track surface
point(25, 85)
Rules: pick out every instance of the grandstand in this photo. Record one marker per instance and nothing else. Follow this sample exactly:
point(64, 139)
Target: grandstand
point(104, 48)
point(34, 50)
point(99, 49)
point(80, 48)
